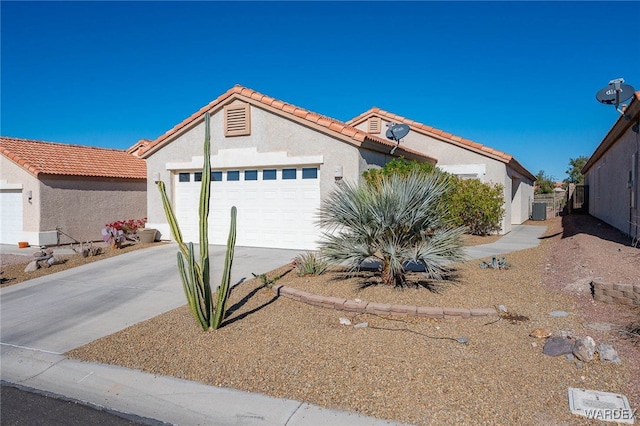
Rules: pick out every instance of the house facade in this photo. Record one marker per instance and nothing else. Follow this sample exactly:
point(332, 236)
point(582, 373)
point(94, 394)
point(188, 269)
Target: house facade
point(464, 158)
point(52, 193)
point(272, 160)
point(611, 173)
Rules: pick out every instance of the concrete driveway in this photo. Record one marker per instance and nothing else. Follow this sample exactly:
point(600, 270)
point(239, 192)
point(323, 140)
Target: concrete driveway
point(45, 317)
point(70, 308)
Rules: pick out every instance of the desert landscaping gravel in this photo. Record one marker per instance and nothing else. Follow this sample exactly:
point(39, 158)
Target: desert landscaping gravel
point(412, 370)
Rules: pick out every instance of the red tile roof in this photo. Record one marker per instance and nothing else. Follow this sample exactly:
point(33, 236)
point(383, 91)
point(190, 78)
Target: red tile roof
point(325, 124)
point(444, 136)
point(49, 158)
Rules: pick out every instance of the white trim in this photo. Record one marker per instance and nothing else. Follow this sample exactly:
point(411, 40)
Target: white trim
point(9, 186)
point(246, 158)
point(465, 170)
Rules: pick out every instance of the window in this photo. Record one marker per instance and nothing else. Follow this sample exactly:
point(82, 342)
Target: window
point(233, 175)
point(237, 120)
point(216, 176)
point(288, 173)
point(309, 173)
point(184, 177)
point(269, 174)
point(197, 177)
point(250, 175)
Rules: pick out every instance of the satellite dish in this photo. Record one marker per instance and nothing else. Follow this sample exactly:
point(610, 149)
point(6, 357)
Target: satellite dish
point(615, 93)
point(397, 132)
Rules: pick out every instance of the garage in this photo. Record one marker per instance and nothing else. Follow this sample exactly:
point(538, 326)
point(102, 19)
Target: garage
point(276, 206)
point(10, 216)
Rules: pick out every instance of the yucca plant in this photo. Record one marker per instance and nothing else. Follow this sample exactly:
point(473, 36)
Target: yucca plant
point(310, 263)
point(196, 276)
point(396, 221)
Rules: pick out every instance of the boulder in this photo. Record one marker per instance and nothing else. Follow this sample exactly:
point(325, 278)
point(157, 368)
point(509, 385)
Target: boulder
point(556, 346)
point(607, 353)
point(584, 348)
point(32, 266)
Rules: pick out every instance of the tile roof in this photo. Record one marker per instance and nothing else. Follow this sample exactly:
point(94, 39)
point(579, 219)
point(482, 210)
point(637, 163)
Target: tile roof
point(40, 157)
point(317, 121)
point(444, 136)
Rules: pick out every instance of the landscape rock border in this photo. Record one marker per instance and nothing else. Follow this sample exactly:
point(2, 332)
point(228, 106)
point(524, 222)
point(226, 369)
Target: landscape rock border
point(364, 307)
point(623, 294)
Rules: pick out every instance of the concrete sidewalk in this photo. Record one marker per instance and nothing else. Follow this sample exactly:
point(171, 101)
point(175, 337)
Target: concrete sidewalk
point(521, 237)
point(45, 317)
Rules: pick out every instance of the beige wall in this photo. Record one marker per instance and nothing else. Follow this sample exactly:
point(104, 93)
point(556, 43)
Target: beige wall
point(609, 190)
point(269, 133)
point(82, 206)
point(14, 174)
point(518, 190)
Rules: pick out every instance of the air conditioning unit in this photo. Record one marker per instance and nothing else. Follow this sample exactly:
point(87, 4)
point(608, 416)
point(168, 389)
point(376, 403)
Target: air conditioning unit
point(539, 211)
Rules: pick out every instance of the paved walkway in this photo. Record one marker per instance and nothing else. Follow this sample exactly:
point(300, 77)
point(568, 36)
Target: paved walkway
point(45, 317)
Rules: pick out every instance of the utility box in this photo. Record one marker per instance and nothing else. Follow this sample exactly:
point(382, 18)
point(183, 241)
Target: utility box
point(539, 211)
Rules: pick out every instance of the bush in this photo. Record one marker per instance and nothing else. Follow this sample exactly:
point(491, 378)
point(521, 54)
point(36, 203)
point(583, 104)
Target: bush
point(476, 205)
point(470, 203)
point(310, 263)
point(398, 166)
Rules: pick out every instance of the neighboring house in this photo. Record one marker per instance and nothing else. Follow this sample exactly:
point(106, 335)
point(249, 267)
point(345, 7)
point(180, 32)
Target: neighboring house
point(274, 161)
point(50, 189)
point(462, 157)
point(611, 173)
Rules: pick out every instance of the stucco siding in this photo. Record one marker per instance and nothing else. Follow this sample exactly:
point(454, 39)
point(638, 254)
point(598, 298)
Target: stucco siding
point(517, 189)
point(270, 133)
point(14, 174)
point(82, 206)
point(609, 190)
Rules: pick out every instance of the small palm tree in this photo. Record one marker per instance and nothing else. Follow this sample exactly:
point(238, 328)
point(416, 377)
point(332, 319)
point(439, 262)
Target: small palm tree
point(397, 220)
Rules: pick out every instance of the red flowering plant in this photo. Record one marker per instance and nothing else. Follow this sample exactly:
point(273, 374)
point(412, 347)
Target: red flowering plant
point(118, 232)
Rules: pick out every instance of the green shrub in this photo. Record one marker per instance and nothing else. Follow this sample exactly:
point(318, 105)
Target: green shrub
point(476, 205)
point(310, 263)
point(470, 203)
point(398, 166)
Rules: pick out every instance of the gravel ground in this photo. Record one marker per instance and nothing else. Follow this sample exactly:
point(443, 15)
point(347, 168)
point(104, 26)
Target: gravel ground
point(13, 264)
point(410, 370)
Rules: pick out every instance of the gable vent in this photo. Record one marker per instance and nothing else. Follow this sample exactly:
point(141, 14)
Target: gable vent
point(375, 125)
point(237, 120)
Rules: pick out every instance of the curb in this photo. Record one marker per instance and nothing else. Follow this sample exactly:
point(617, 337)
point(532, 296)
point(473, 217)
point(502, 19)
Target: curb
point(364, 307)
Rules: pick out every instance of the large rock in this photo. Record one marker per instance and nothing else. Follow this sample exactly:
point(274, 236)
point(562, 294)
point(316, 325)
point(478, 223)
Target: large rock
point(607, 353)
point(556, 346)
point(32, 266)
point(584, 349)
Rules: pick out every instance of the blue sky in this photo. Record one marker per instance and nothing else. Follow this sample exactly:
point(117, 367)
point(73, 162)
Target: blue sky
point(520, 77)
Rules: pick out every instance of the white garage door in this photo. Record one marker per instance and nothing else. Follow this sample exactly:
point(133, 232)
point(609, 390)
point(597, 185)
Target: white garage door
point(10, 216)
point(276, 207)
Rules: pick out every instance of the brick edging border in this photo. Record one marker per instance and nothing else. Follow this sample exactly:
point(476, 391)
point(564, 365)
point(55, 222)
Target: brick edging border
point(364, 307)
point(624, 294)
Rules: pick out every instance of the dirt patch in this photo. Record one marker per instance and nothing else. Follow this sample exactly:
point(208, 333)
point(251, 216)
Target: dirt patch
point(13, 265)
point(410, 369)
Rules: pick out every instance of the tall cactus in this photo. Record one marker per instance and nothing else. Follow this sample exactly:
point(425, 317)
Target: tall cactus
point(196, 276)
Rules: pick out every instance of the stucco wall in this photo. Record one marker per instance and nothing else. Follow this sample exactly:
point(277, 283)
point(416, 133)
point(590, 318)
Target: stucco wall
point(269, 133)
point(517, 192)
point(609, 192)
point(14, 174)
point(82, 206)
